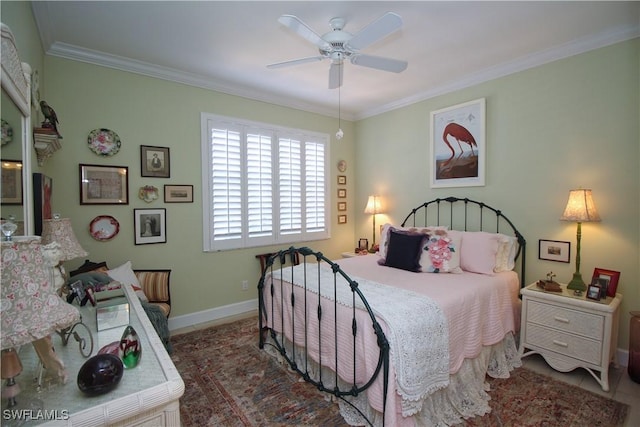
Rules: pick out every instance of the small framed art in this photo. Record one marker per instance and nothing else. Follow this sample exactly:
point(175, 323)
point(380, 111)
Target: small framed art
point(11, 182)
point(342, 206)
point(150, 226)
point(593, 292)
point(342, 193)
point(178, 193)
point(154, 161)
point(104, 185)
point(554, 250)
point(608, 278)
point(342, 219)
point(342, 180)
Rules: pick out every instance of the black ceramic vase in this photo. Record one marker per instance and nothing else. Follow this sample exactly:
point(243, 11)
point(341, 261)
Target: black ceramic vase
point(100, 374)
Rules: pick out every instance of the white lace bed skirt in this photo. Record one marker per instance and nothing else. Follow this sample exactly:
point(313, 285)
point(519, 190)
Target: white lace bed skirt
point(465, 397)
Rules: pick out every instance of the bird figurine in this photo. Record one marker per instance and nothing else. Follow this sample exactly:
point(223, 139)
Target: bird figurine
point(50, 117)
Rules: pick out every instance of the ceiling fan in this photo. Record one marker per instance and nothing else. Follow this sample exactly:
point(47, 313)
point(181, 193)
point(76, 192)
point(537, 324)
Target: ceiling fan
point(338, 45)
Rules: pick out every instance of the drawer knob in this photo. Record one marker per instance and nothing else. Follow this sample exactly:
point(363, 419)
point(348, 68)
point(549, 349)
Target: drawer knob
point(560, 343)
point(561, 319)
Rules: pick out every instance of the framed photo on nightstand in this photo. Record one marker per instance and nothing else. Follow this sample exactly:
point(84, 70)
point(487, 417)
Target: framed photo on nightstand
point(593, 292)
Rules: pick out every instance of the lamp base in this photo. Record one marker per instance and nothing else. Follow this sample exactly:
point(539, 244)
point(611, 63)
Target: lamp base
point(577, 284)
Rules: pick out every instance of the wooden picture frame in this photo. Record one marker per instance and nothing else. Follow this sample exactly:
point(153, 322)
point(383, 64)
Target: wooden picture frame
point(342, 180)
point(342, 193)
point(150, 226)
point(593, 292)
point(11, 182)
point(608, 276)
point(178, 193)
point(554, 250)
point(342, 206)
point(342, 219)
point(42, 204)
point(104, 185)
point(457, 149)
point(155, 162)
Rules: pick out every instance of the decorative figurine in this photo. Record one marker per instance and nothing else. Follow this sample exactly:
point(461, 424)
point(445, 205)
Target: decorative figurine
point(50, 117)
point(130, 348)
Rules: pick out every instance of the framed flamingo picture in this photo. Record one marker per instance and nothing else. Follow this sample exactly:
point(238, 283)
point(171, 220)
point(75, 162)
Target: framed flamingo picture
point(457, 150)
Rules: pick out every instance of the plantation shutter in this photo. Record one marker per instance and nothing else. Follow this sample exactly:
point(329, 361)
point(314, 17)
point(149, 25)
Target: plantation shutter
point(290, 186)
point(259, 184)
point(315, 187)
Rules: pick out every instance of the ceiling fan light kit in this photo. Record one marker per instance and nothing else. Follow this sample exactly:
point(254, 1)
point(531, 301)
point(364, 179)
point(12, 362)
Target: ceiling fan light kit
point(338, 45)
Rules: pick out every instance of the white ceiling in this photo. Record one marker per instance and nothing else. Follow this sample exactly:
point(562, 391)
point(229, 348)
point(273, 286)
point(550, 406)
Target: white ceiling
point(225, 46)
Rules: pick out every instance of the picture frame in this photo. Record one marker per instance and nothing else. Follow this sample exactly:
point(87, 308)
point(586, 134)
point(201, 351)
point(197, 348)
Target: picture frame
point(458, 145)
point(342, 193)
point(155, 162)
point(11, 182)
point(104, 185)
point(342, 180)
point(363, 244)
point(603, 283)
point(342, 206)
point(554, 250)
point(178, 193)
point(150, 226)
point(607, 275)
point(342, 219)
point(593, 292)
point(42, 201)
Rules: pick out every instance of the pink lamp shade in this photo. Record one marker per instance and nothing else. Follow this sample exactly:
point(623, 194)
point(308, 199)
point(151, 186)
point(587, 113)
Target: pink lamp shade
point(30, 309)
point(59, 230)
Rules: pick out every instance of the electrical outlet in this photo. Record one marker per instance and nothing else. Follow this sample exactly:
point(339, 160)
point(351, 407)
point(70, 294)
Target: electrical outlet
point(245, 285)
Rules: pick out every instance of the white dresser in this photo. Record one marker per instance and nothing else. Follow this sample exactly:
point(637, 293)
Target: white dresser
point(570, 331)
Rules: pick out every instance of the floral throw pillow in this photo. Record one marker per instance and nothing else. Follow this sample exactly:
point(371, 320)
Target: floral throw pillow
point(442, 253)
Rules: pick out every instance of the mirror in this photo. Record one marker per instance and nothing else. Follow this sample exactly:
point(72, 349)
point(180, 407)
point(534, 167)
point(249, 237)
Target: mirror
point(16, 111)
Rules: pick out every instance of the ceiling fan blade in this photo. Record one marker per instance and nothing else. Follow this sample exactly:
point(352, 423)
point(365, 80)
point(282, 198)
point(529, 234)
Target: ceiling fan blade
point(377, 62)
point(296, 62)
point(303, 30)
point(377, 30)
point(336, 72)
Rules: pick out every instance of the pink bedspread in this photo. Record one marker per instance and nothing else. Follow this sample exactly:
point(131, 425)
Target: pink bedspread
point(480, 311)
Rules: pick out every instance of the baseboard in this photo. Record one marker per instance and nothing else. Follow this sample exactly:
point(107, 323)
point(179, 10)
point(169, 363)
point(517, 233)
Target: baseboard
point(217, 313)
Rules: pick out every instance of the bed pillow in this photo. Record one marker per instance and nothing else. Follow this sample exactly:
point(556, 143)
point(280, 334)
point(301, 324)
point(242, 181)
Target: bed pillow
point(124, 274)
point(478, 251)
point(506, 256)
point(384, 234)
point(404, 250)
point(441, 253)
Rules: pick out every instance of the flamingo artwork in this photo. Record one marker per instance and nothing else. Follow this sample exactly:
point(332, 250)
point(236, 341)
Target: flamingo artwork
point(465, 164)
point(459, 133)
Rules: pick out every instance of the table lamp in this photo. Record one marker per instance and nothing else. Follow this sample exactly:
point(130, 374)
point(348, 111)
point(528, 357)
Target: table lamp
point(580, 208)
point(59, 230)
point(374, 207)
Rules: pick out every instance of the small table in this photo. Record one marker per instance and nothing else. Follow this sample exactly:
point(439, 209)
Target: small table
point(146, 395)
point(570, 331)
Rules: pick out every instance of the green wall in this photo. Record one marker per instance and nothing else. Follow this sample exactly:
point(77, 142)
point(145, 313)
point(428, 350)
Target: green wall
point(568, 124)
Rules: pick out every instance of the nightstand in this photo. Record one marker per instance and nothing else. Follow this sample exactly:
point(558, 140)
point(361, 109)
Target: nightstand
point(570, 331)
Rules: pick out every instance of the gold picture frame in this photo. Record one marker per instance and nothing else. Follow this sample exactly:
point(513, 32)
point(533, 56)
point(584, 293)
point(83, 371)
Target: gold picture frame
point(104, 185)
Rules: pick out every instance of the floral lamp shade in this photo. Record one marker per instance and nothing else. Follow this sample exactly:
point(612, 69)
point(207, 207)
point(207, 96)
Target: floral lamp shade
point(59, 230)
point(30, 309)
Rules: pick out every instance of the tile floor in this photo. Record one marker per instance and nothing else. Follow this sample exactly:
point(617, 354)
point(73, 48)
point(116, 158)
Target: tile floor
point(621, 387)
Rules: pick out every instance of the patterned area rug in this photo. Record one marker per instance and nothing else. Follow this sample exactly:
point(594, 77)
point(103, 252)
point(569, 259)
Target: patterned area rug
point(229, 381)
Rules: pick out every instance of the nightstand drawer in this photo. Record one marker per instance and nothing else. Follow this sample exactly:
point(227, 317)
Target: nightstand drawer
point(572, 321)
point(559, 342)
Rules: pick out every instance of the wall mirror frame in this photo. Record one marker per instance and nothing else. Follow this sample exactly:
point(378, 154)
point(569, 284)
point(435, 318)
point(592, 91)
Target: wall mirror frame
point(15, 80)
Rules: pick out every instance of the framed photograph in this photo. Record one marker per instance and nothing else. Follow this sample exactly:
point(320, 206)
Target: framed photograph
point(11, 182)
point(554, 250)
point(178, 193)
point(42, 204)
point(609, 277)
point(342, 219)
point(342, 180)
point(150, 226)
point(342, 206)
point(604, 285)
point(342, 193)
point(104, 185)
point(593, 292)
point(154, 161)
point(457, 150)
point(363, 244)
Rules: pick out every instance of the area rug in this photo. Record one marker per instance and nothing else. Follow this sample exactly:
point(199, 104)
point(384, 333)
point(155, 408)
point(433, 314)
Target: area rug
point(229, 381)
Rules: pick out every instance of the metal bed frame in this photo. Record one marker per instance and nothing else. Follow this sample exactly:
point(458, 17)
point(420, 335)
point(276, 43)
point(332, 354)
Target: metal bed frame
point(470, 215)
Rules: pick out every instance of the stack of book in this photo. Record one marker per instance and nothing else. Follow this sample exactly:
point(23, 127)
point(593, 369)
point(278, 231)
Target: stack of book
point(46, 142)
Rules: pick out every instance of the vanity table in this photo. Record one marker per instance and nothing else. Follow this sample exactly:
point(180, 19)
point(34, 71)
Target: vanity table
point(147, 395)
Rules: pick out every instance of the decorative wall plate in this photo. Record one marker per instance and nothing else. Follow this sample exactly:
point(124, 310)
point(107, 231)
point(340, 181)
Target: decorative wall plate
point(148, 193)
point(7, 132)
point(342, 165)
point(104, 142)
point(104, 227)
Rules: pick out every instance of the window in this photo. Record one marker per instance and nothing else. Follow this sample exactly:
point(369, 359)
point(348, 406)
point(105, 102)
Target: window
point(262, 184)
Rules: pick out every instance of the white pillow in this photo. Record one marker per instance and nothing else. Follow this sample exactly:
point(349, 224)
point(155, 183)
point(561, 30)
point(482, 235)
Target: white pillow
point(506, 256)
point(125, 275)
